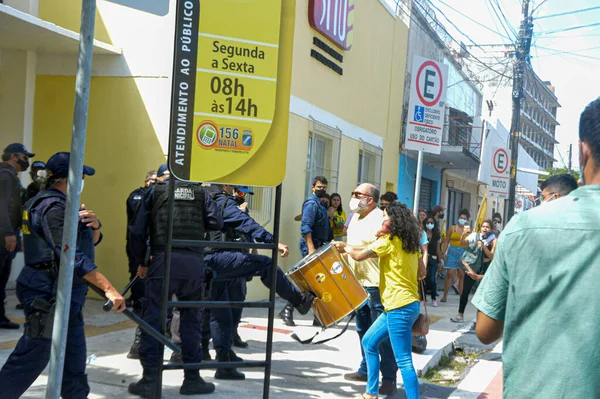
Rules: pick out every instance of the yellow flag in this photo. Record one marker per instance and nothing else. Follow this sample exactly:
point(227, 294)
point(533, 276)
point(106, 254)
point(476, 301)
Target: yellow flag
point(481, 214)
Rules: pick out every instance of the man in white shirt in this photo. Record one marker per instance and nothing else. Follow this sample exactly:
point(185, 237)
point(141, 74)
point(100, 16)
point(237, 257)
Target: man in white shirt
point(364, 224)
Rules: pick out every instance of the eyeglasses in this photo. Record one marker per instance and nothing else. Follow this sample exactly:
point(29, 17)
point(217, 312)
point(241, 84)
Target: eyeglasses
point(356, 194)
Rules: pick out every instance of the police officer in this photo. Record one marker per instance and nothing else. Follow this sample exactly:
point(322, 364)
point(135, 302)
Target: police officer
point(232, 264)
point(36, 287)
point(194, 214)
point(38, 179)
point(315, 231)
point(137, 290)
point(15, 159)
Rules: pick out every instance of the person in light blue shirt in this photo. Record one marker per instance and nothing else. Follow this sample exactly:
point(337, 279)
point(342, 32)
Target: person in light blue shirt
point(538, 292)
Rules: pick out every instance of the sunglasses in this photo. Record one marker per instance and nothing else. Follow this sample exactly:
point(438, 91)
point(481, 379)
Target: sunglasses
point(356, 194)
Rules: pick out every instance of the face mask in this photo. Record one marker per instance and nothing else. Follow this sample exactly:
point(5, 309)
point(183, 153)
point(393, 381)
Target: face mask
point(320, 193)
point(429, 226)
point(462, 222)
point(355, 205)
point(441, 215)
point(498, 225)
point(550, 198)
point(23, 164)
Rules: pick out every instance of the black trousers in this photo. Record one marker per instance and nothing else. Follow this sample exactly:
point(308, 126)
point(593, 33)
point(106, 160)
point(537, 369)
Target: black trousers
point(464, 297)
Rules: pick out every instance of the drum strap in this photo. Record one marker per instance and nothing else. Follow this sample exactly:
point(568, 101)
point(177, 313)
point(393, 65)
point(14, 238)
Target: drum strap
point(310, 340)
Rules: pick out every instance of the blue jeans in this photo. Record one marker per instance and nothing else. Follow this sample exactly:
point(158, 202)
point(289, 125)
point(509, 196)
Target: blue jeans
point(397, 326)
point(365, 317)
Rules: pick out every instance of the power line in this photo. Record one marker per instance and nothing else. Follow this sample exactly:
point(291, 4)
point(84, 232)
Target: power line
point(449, 35)
point(472, 20)
point(569, 29)
point(512, 29)
point(569, 12)
point(500, 20)
point(569, 53)
point(451, 23)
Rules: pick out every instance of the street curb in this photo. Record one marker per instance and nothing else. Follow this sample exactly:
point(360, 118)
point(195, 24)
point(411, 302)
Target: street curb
point(436, 358)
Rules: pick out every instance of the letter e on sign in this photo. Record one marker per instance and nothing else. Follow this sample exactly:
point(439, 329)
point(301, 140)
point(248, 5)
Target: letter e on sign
point(430, 83)
point(500, 161)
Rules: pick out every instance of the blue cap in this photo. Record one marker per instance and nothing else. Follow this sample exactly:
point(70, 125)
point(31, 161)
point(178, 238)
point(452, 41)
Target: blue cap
point(38, 165)
point(58, 165)
point(162, 169)
point(18, 148)
point(245, 190)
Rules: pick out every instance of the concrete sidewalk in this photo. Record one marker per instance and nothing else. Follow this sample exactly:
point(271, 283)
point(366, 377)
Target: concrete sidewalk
point(307, 371)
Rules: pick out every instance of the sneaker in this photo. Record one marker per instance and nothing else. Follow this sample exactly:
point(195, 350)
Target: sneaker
point(388, 388)
point(435, 303)
point(356, 376)
point(458, 319)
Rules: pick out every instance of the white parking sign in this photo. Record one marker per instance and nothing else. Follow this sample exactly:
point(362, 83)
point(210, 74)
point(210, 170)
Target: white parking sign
point(426, 106)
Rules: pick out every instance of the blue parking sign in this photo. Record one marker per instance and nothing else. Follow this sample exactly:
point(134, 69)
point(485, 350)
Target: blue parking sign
point(419, 114)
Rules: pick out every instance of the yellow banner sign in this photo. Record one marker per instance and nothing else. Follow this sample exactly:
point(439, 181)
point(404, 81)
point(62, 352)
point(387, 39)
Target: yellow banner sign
point(239, 109)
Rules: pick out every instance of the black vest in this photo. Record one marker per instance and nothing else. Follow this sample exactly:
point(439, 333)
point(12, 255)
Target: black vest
point(15, 202)
point(36, 250)
point(188, 213)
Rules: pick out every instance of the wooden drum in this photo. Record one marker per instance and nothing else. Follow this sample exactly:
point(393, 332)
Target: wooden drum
point(326, 274)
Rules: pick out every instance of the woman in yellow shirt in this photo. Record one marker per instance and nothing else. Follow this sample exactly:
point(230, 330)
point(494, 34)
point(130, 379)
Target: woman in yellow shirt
point(454, 253)
point(400, 263)
point(337, 216)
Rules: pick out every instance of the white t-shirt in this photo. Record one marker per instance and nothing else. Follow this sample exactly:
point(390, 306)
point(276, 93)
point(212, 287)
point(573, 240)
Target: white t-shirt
point(362, 232)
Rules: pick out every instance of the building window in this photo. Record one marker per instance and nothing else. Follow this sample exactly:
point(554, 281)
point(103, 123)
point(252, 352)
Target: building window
point(260, 204)
point(369, 164)
point(323, 156)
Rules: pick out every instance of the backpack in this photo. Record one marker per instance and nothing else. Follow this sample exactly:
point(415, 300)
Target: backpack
point(473, 256)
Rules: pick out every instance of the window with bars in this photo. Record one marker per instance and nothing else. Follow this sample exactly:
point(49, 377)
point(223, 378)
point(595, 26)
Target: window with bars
point(323, 156)
point(369, 164)
point(260, 204)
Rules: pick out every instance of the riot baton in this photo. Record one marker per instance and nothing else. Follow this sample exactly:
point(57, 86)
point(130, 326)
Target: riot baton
point(138, 320)
point(108, 305)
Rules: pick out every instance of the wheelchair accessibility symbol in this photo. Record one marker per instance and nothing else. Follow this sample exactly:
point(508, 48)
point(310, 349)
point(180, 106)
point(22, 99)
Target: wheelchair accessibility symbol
point(419, 114)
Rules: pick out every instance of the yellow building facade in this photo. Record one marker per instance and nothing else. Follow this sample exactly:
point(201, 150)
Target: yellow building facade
point(345, 126)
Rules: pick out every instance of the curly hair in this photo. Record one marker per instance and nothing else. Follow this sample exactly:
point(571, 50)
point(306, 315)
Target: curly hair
point(405, 226)
point(436, 229)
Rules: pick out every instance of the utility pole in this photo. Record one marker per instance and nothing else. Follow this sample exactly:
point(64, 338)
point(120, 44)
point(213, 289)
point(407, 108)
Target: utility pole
point(522, 48)
point(570, 158)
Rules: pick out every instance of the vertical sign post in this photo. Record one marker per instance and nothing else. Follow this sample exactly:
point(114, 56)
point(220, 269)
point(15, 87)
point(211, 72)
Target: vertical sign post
point(425, 112)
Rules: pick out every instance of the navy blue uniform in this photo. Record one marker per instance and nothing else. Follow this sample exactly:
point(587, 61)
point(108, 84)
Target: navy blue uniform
point(10, 224)
point(187, 266)
point(229, 265)
point(316, 222)
point(37, 280)
point(132, 205)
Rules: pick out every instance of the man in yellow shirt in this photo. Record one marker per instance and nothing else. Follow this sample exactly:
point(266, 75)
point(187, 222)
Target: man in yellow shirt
point(362, 230)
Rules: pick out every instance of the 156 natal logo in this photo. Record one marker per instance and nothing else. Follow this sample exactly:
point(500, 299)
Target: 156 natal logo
point(210, 136)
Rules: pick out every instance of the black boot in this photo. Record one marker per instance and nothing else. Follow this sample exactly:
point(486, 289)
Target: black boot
point(146, 387)
point(193, 384)
point(176, 358)
point(205, 352)
point(305, 302)
point(134, 352)
point(227, 373)
point(287, 315)
point(237, 341)
point(235, 358)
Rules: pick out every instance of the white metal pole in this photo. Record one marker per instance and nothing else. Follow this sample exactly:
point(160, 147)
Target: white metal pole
point(69, 239)
point(418, 184)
